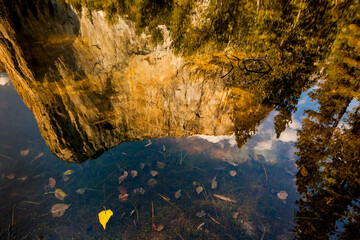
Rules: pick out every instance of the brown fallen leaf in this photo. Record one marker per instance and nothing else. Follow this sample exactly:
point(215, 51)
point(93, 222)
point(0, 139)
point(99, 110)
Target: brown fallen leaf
point(158, 228)
point(23, 178)
point(59, 194)
point(25, 152)
point(123, 177)
point(148, 144)
point(52, 182)
point(304, 172)
point(161, 164)
point(10, 176)
point(59, 209)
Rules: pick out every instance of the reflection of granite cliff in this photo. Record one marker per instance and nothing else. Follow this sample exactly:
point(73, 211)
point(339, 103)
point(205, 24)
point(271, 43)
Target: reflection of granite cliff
point(92, 86)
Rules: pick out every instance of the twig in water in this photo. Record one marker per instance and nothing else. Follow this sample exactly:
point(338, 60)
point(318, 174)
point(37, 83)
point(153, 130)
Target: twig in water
point(166, 199)
point(105, 179)
point(179, 236)
point(265, 172)
point(6, 157)
point(216, 221)
point(12, 216)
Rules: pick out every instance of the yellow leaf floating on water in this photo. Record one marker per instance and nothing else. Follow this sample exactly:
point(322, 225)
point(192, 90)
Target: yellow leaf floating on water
point(304, 172)
point(104, 217)
point(59, 194)
point(68, 172)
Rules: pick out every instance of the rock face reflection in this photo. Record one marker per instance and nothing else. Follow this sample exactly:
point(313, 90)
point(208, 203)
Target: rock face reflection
point(92, 85)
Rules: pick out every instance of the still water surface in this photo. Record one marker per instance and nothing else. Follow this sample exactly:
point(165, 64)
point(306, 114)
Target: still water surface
point(186, 119)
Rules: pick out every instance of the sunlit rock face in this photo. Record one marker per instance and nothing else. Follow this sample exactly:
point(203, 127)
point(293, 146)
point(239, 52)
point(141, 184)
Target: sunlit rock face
point(92, 85)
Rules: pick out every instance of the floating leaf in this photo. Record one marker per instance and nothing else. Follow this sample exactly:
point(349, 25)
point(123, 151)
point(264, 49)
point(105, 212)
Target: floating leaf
point(122, 177)
point(23, 178)
point(80, 191)
point(10, 176)
point(199, 189)
point(104, 217)
point(178, 194)
point(232, 173)
point(152, 182)
point(153, 173)
point(161, 164)
point(201, 214)
point(52, 182)
point(122, 190)
point(59, 209)
point(282, 195)
point(214, 183)
point(158, 228)
point(304, 172)
point(24, 152)
point(65, 178)
point(59, 194)
point(68, 172)
point(134, 173)
point(123, 197)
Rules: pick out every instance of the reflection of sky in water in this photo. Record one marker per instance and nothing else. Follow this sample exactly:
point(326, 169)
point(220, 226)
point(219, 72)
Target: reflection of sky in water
point(197, 158)
point(264, 141)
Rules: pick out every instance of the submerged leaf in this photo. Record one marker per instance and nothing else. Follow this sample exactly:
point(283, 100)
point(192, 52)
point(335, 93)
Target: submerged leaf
point(158, 228)
point(104, 217)
point(52, 182)
point(59, 194)
point(10, 176)
point(68, 172)
point(39, 156)
point(25, 152)
point(59, 209)
point(80, 191)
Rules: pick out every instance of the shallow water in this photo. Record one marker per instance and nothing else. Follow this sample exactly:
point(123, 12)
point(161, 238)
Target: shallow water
point(186, 119)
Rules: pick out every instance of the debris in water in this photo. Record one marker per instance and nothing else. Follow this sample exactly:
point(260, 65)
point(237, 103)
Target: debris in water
point(25, 152)
point(153, 173)
point(122, 177)
point(200, 226)
point(142, 165)
point(10, 176)
point(201, 214)
point(178, 194)
point(232, 173)
point(59, 209)
point(122, 190)
point(123, 197)
point(304, 172)
point(282, 195)
point(214, 183)
point(52, 182)
point(104, 217)
point(158, 228)
point(199, 189)
point(152, 182)
point(161, 164)
point(164, 148)
point(148, 144)
point(39, 156)
point(236, 215)
point(68, 172)
point(80, 191)
point(259, 158)
point(59, 194)
point(65, 178)
point(139, 190)
point(194, 183)
point(134, 173)
point(23, 178)
point(224, 198)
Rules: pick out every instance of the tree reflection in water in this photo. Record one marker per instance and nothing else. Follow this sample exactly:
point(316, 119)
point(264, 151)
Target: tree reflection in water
point(328, 148)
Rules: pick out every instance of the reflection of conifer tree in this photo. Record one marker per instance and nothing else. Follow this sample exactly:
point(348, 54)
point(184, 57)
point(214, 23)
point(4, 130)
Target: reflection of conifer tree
point(329, 150)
